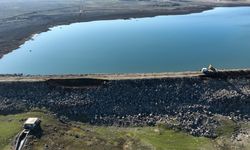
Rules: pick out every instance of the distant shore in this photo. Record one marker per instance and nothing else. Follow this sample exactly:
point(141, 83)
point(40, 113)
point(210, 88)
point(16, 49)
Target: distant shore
point(18, 28)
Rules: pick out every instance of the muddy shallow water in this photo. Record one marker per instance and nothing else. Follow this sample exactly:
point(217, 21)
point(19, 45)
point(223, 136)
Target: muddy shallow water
point(165, 43)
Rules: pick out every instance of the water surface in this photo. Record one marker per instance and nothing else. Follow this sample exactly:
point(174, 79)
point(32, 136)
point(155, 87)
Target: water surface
point(165, 43)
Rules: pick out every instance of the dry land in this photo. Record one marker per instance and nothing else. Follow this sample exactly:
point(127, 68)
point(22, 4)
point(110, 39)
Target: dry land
point(132, 111)
point(19, 20)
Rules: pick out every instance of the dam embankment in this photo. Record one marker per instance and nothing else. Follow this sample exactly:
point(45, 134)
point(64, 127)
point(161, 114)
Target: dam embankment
point(188, 102)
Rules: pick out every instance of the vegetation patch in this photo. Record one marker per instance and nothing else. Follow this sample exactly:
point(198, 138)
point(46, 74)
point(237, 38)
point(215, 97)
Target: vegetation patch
point(169, 139)
point(11, 125)
point(77, 135)
point(227, 127)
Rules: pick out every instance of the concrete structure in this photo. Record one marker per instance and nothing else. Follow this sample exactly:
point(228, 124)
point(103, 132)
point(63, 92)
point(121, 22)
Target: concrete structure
point(31, 123)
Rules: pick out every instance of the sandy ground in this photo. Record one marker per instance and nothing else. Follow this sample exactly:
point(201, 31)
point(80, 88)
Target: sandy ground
point(233, 73)
point(10, 78)
point(20, 19)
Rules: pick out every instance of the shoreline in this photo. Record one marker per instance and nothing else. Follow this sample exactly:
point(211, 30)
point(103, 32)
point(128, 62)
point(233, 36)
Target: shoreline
point(221, 74)
point(16, 44)
point(20, 37)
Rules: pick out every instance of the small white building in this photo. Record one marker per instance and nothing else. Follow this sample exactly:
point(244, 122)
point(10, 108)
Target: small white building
point(31, 123)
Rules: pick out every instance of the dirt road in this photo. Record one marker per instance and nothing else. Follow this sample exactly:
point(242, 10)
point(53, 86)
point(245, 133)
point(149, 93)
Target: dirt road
point(236, 73)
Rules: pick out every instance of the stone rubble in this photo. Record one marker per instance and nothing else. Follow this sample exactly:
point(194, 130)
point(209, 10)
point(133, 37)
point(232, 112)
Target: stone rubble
point(187, 104)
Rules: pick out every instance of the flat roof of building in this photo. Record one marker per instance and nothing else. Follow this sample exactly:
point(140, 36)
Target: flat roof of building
point(31, 121)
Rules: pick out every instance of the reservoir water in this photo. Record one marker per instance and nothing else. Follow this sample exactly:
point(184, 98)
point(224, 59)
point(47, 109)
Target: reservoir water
point(165, 43)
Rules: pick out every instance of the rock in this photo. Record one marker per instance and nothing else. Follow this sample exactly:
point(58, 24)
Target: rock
point(180, 103)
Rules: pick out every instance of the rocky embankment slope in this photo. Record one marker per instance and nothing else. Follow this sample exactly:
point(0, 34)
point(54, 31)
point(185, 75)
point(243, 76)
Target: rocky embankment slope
point(186, 102)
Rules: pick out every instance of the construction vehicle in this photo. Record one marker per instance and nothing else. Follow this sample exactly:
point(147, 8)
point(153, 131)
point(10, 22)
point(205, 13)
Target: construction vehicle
point(208, 71)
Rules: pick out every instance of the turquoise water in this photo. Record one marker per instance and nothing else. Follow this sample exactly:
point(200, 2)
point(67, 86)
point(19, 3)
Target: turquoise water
point(165, 43)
